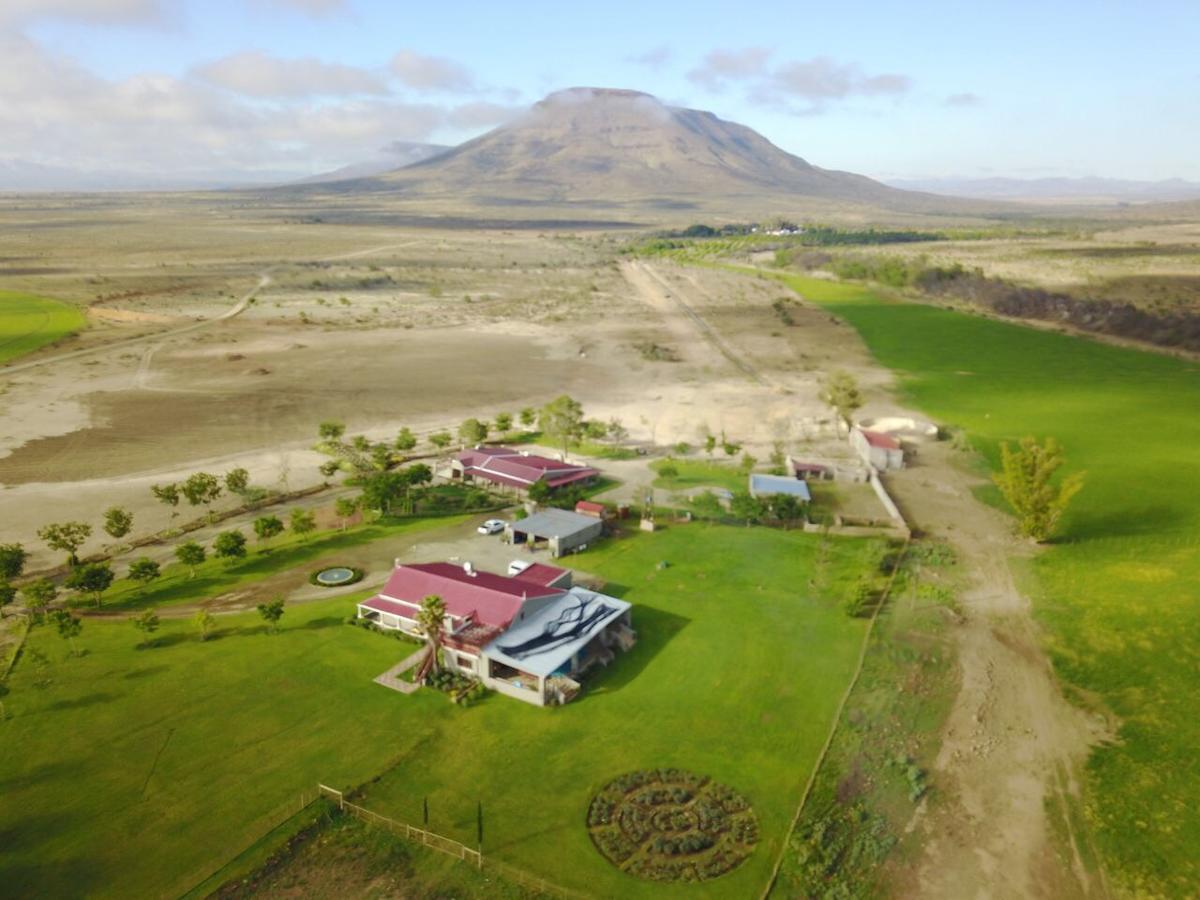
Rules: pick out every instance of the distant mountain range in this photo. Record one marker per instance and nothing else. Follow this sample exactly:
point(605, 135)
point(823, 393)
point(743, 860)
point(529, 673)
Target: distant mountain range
point(1094, 191)
point(395, 156)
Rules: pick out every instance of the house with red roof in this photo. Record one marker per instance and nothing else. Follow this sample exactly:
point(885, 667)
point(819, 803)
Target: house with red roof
point(528, 636)
point(518, 470)
point(881, 451)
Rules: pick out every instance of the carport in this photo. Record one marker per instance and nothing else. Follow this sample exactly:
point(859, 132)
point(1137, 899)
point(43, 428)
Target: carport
point(559, 530)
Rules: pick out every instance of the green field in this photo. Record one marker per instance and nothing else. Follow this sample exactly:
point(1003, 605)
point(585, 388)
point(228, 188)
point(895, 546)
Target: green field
point(28, 322)
point(1120, 593)
point(143, 770)
point(695, 473)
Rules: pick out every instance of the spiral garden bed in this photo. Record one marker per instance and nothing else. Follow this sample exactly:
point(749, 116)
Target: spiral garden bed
point(672, 825)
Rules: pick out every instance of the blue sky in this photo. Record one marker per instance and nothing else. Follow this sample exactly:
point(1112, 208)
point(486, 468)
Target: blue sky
point(891, 90)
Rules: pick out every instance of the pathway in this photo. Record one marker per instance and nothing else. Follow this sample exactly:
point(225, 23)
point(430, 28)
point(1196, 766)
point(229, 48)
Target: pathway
point(391, 678)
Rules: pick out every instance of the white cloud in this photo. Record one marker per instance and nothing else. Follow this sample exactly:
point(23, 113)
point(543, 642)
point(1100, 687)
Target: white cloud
point(308, 7)
point(721, 66)
point(256, 74)
point(655, 58)
point(431, 73)
point(964, 100)
point(105, 12)
point(821, 78)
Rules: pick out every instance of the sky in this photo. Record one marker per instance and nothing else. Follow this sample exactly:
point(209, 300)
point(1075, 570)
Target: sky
point(206, 91)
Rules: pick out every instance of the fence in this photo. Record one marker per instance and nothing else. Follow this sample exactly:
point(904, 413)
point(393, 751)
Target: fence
point(447, 845)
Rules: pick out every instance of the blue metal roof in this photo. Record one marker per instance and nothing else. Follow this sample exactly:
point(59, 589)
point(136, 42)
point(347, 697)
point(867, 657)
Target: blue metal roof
point(764, 485)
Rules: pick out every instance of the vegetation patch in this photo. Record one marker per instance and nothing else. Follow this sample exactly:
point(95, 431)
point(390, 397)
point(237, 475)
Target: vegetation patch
point(672, 825)
point(28, 322)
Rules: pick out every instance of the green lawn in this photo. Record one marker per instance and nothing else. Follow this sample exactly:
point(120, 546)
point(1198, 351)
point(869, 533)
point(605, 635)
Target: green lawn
point(142, 771)
point(28, 322)
point(1120, 594)
point(695, 473)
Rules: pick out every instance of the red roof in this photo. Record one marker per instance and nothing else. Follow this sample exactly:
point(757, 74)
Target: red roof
point(485, 598)
point(515, 469)
point(540, 573)
point(590, 507)
point(881, 440)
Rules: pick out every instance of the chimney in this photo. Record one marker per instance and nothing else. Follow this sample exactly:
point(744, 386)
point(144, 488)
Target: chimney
point(469, 569)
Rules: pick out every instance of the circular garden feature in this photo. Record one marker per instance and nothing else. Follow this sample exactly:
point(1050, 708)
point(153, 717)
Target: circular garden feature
point(672, 825)
point(337, 576)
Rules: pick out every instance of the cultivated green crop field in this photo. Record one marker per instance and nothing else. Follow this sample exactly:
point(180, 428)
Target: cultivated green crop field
point(1120, 594)
point(143, 770)
point(28, 322)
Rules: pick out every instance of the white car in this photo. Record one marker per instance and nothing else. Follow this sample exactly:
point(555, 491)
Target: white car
point(491, 526)
point(517, 566)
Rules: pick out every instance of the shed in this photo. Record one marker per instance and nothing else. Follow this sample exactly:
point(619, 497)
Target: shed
point(773, 485)
point(562, 531)
point(882, 451)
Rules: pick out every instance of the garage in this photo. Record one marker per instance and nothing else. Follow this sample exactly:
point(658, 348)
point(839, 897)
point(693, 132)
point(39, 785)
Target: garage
point(558, 530)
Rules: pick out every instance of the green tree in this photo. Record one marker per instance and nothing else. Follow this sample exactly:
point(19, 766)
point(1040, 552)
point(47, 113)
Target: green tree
point(441, 439)
point(302, 522)
point(840, 390)
point(561, 420)
point(730, 447)
point(167, 494)
point(617, 433)
point(201, 488)
point(237, 482)
point(205, 622)
point(1026, 479)
point(144, 570)
point(267, 527)
point(272, 612)
point(38, 596)
point(345, 507)
point(405, 440)
point(8, 594)
point(710, 444)
point(748, 509)
point(230, 545)
point(381, 457)
point(430, 619)
point(787, 508)
point(472, 432)
point(331, 432)
point(12, 561)
point(330, 467)
point(191, 555)
point(68, 627)
point(147, 623)
point(747, 463)
point(67, 537)
point(91, 578)
point(118, 522)
point(668, 470)
point(504, 422)
point(528, 416)
point(361, 443)
point(381, 490)
point(539, 491)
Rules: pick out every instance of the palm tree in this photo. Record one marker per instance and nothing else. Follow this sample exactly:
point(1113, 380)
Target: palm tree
point(430, 619)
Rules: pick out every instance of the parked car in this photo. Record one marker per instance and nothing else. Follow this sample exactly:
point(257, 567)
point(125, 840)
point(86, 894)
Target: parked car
point(517, 566)
point(491, 526)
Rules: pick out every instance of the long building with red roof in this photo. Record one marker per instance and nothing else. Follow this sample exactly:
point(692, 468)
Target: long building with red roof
point(518, 470)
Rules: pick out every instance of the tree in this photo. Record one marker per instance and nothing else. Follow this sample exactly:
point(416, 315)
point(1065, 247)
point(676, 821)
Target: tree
point(267, 527)
point(302, 522)
point(381, 490)
point(345, 507)
point(118, 522)
point(12, 561)
point(472, 432)
point(747, 463)
point(68, 626)
point(230, 545)
point(92, 578)
point(205, 622)
point(67, 537)
point(668, 470)
point(331, 432)
point(237, 482)
point(787, 509)
point(441, 439)
point(745, 507)
point(8, 594)
point(730, 448)
point(167, 494)
point(272, 612)
point(405, 440)
point(191, 555)
point(361, 443)
point(539, 491)
point(381, 456)
point(147, 623)
point(778, 459)
point(1026, 479)
point(710, 444)
point(144, 570)
point(330, 467)
point(201, 488)
point(562, 420)
point(430, 619)
point(504, 422)
point(840, 390)
point(595, 430)
point(39, 595)
point(528, 416)
point(617, 433)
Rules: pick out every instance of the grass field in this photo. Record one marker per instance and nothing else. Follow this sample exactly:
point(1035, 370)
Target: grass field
point(1120, 593)
point(28, 322)
point(694, 473)
point(143, 770)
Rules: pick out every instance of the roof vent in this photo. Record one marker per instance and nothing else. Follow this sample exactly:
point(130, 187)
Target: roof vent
point(469, 569)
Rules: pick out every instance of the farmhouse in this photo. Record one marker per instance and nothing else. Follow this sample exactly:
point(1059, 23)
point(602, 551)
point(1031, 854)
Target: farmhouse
point(774, 485)
point(528, 636)
point(878, 450)
point(560, 530)
point(517, 470)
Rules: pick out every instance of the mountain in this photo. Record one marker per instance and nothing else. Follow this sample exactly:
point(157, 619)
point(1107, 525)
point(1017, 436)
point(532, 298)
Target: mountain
point(603, 148)
point(1090, 190)
point(396, 155)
